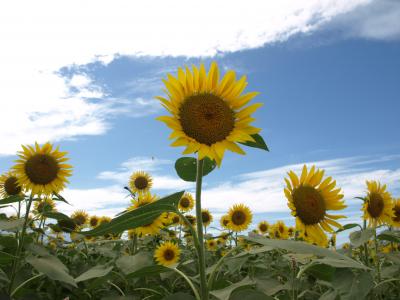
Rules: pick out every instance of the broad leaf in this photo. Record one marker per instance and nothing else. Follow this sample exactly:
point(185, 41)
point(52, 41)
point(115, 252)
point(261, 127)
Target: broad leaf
point(148, 271)
point(259, 142)
point(12, 225)
point(130, 264)
point(56, 215)
point(224, 294)
point(389, 236)
point(248, 294)
point(11, 199)
point(357, 238)
point(347, 226)
point(95, 272)
point(186, 167)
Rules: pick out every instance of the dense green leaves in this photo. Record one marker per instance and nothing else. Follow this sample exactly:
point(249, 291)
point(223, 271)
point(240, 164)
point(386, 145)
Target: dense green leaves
point(137, 217)
point(186, 167)
point(225, 293)
point(95, 272)
point(259, 142)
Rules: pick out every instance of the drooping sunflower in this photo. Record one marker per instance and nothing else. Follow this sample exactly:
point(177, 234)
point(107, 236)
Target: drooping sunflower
point(263, 227)
point(80, 217)
point(396, 213)
point(9, 185)
point(206, 217)
point(240, 217)
point(44, 205)
point(167, 254)
point(208, 114)
point(378, 206)
point(309, 198)
point(94, 221)
point(224, 221)
point(186, 203)
point(140, 182)
point(42, 170)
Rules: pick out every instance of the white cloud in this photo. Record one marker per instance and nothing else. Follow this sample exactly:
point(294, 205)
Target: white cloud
point(38, 38)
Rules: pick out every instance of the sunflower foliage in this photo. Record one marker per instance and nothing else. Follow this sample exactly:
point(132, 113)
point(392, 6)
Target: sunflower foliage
point(153, 248)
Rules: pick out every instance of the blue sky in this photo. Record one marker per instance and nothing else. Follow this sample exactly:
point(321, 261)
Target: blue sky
point(328, 73)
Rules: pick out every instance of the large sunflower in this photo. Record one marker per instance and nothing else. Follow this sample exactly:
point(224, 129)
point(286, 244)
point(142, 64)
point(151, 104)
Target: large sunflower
point(186, 202)
point(396, 213)
point(378, 206)
point(42, 170)
point(9, 185)
point(309, 198)
point(140, 182)
point(240, 217)
point(208, 114)
point(167, 254)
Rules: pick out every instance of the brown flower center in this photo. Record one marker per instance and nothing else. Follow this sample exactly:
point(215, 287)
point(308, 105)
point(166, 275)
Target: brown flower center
point(205, 216)
point(94, 222)
point(310, 206)
point(206, 118)
point(396, 210)
point(41, 168)
point(11, 186)
point(375, 205)
point(169, 254)
point(80, 220)
point(175, 219)
point(185, 202)
point(238, 218)
point(263, 227)
point(141, 183)
point(191, 219)
point(225, 222)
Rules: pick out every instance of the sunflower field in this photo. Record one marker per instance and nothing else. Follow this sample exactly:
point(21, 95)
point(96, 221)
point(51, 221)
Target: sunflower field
point(164, 247)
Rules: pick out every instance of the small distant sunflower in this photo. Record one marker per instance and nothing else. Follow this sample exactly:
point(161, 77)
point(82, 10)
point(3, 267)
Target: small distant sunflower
point(309, 198)
point(378, 206)
point(154, 227)
point(224, 221)
point(9, 185)
point(186, 203)
point(206, 217)
point(143, 199)
point(208, 115)
point(211, 245)
point(191, 219)
point(283, 230)
point(44, 205)
point(174, 218)
point(333, 240)
point(274, 232)
point(80, 217)
point(42, 170)
point(104, 220)
point(167, 254)
point(240, 217)
point(140, 182)
point(291, 231)
point(94, 221)
point(396, 213)
point(263, 227)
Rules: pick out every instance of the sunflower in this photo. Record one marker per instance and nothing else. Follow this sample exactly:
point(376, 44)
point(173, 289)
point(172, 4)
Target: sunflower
point(240, 217)
point(42, 170)
point(191, 219)
point(44, 205)
point(140, 182)
point(167, 254)
point(186, 203)
point(263, 227)
point(283, 229)
point(206, 217)
point(143, 199)
point(80, 217)
point(208, 115)
point(94, 221)
point(224, 221)
point(332, 241)
point(396, 213)
point(211, 245)
point(309, 198)
point(378, 206)
point(291, 231)
point(153, 227)
point(9, 185)
point(104, 220)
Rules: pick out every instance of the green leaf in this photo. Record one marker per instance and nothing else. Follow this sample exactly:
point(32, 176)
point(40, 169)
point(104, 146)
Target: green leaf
point(12, 225)
point(95, 272)
point(129, 264)
point(348, 226)
point(179, 296)
point(11, 199)
point(351, 286)
point(186, 167)
point(6, 258)
point(60, 198)
point(52, 267)
point(305, 248)
point(224, 294)
point(390, 236)
point(248, 294)
point(321, 271)
point(56, 215)
point(357, 238)
point(259, 142)
point(137, 217)
point(148, 271)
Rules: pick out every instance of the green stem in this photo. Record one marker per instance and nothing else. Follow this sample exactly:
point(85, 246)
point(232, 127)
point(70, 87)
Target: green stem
point(20, 245)
point(24, 283)
point(116, 287)
point(196, 293)
point(202, 262)
point(378, 266)
point(366, 245)
point(217, 266)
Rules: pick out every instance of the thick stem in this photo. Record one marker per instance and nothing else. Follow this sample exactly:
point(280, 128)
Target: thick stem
point(202, 263)
point(20, 245)
point(378, 266)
